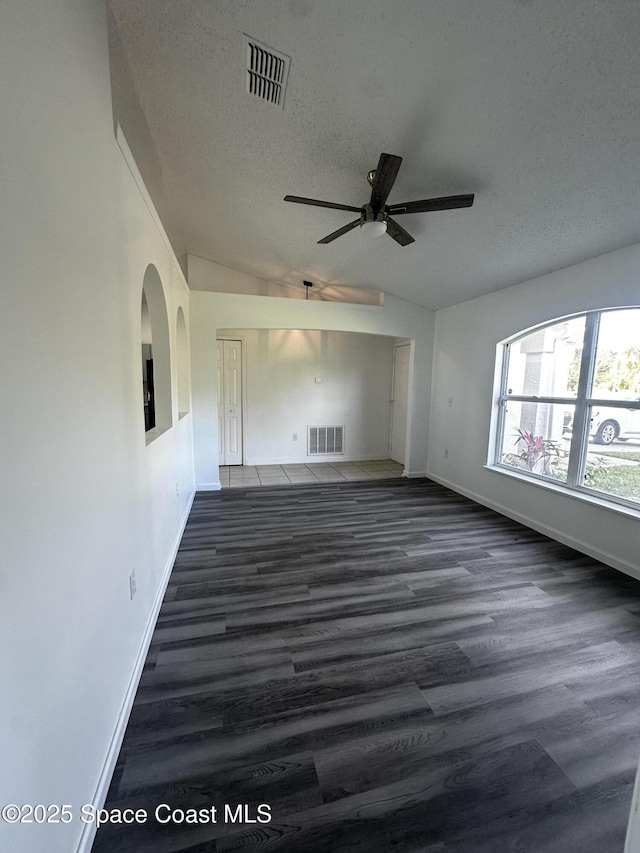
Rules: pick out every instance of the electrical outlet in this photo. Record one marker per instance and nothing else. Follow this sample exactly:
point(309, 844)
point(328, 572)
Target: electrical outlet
point(450, 402)
point(295, 436)
point(446, 453)
point(132, 583)
point(177, 490)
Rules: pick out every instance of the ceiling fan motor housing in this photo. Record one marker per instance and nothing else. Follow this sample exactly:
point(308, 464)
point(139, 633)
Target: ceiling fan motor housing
point(370, 215)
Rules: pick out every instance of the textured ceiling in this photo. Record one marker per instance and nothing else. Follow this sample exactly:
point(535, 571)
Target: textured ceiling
point(533, 105)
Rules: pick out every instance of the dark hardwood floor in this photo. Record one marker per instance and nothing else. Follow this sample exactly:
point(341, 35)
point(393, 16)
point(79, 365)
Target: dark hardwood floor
point(389, 667)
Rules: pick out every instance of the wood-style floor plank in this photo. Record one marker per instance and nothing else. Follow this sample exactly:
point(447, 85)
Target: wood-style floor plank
point(389, 667)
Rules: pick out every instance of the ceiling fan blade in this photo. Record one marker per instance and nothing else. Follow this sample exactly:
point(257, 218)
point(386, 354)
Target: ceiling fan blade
point(449, 202)
point(317, 203)
point(386, 173)
point(398, 233)
point(334, 236)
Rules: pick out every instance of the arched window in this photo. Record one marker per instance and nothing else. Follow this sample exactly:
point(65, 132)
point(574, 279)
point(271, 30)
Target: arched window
point(183, 362)
point(156, 361)
point(569, 404)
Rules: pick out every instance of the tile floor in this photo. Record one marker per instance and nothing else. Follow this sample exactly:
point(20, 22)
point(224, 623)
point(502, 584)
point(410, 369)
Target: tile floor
point(315, 472)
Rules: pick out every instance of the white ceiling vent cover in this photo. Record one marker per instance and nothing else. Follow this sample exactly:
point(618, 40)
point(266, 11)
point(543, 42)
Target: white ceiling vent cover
point(325, 440)
point(267, 71)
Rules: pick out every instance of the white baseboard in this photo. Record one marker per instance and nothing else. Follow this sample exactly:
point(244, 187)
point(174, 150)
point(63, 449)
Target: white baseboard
point(413, 475)
point(547, 530)
point(208, 487)
point(89, 829)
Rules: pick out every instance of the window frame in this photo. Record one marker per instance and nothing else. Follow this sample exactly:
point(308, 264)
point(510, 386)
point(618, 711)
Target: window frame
point(582, 403)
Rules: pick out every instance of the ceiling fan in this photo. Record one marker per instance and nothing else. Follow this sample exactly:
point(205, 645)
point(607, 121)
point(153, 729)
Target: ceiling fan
point(378, 211)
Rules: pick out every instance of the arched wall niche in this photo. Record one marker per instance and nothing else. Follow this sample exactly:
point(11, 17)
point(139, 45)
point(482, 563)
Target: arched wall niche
point(156, 355)
point(183, 374)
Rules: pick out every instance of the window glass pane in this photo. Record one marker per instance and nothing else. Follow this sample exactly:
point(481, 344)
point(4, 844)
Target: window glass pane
point(535, 438)
point(546, 363)
point(609, 424)
point(613, 467)
point(617, 370)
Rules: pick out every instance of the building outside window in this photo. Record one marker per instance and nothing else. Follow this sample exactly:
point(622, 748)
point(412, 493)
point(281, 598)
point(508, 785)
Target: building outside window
point(569, 405)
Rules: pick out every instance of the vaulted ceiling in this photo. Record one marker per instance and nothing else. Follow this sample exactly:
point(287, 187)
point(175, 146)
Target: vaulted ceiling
point(533, 105)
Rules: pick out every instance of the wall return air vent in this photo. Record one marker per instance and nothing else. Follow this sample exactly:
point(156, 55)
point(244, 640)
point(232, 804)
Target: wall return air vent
point(325, 440)
point(267, 72)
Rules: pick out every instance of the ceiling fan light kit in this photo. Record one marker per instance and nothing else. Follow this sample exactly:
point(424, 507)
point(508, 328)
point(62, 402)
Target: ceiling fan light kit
point(374, 223)
point(376, 227)
point(376, 215)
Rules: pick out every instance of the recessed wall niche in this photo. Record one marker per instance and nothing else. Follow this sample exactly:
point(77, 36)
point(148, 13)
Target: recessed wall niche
point(183, 373)
point(148, 392)
point(156, 359)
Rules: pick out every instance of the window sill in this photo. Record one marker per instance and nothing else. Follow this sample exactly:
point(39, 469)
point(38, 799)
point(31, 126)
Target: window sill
point(575, 494)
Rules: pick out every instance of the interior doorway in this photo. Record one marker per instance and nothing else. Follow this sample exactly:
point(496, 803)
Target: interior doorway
point(399, 402)
point(229, 378)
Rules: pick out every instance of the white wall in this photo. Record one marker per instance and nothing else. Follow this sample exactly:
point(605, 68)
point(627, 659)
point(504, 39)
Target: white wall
point(283, 397)
point(213, 311)
point(464, 371)
point(84, 500)
point(216, 278)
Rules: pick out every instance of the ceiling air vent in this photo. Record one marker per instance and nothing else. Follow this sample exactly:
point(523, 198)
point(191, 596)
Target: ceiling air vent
point(267, 72)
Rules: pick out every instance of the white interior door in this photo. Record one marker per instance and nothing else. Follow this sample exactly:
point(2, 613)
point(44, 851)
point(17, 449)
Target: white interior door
point(399, 403)
point(229, 376)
